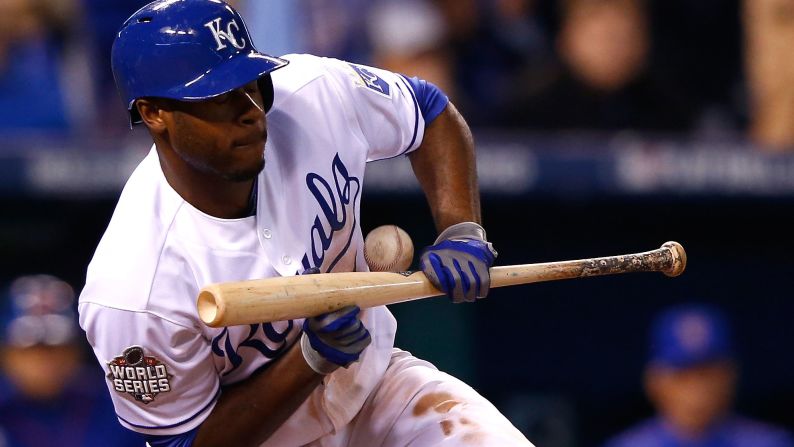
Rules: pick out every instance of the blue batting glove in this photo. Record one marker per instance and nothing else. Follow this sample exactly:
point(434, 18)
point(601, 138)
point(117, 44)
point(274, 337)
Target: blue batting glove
point(334, 339)
point(458, 263)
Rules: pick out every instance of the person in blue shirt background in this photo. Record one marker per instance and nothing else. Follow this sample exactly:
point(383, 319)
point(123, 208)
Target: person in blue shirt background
point(691, 379)
point(48, 395)
point(34, 37)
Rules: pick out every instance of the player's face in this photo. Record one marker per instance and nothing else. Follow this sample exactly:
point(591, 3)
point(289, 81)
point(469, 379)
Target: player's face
point(692, 399)
point(223, 136)
point(30, 369)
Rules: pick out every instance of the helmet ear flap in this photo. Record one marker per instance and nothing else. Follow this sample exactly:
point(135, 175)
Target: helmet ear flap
point(266, 88)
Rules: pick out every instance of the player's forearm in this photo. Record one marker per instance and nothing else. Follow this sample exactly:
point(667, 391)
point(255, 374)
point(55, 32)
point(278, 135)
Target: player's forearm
point(445, 166)
point(250, 412)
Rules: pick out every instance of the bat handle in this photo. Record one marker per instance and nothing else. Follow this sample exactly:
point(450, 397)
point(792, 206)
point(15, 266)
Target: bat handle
point(678, 263)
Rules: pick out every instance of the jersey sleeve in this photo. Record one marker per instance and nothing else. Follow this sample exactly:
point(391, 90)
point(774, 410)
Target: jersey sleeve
point(159, 375)
point(390, 110)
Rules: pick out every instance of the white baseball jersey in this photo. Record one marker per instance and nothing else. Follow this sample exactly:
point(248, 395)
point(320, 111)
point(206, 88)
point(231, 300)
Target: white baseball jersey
point(164, 367)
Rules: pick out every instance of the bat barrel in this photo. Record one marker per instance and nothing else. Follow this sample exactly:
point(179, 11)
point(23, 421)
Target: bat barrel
point(670, 259)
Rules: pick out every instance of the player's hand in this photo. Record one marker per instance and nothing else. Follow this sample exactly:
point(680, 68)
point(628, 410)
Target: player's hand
point(334, 339)
point(458, 263)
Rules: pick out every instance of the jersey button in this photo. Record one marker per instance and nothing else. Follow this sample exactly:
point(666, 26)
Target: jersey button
point(286, 259)
point(267, 233)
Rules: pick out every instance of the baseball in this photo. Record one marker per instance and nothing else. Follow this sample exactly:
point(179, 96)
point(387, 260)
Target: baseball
point(388, 248)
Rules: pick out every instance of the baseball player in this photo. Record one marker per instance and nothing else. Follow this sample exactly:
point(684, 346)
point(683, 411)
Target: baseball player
point(257, 171)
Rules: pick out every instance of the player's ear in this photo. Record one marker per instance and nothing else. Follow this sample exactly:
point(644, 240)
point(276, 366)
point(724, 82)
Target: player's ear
point(152, 114)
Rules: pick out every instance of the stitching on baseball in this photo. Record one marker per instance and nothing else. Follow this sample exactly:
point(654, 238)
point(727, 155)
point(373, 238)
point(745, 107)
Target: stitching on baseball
point(399, 255)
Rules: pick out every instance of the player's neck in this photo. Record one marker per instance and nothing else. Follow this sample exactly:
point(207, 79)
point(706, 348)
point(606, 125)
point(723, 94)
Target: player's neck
point(209, 194)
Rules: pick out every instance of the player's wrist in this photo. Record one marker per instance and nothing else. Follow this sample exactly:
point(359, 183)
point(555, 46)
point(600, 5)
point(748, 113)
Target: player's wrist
point(314, 359)
point(463, 230)
point(467, 231)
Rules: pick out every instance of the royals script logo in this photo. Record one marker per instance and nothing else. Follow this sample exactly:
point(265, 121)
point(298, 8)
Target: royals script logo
point(140, 376)
point(227, 35)
point(331, 235)
point(337, 218)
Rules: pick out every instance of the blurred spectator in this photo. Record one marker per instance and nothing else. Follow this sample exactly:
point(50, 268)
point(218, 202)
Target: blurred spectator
point(604, 81)
point(496, 45)
point(690, 379)
point(43, 87)
point(336, 28)
point(47, 395)
point(472, 50)
point(277, 26)
point(409, 37)
point(103, 19)
point(405, 36)
point(769, 28)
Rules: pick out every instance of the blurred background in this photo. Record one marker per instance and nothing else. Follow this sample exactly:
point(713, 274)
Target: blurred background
point(603, 127)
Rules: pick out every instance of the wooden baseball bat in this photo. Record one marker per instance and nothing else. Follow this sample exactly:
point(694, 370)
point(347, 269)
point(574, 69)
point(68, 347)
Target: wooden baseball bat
point(290, 297)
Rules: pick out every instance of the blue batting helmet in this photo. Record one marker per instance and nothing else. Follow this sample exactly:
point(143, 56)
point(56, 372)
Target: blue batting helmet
point(185, 50)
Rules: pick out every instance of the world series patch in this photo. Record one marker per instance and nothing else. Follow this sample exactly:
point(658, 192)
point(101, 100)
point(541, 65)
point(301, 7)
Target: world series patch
point(143, 377)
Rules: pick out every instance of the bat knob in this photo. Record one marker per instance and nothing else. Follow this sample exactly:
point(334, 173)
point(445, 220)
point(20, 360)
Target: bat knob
point(679, 258)
point(209, 309)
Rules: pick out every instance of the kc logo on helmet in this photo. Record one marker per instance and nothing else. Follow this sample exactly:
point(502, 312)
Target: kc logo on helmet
point(225, 35)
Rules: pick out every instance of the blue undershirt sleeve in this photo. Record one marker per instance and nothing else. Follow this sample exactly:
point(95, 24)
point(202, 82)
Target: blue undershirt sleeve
point(180, 440)
point(432, 101)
